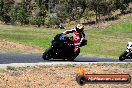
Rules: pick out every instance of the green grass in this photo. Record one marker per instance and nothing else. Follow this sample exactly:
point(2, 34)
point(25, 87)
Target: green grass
point(30, 36)
point(108, 42)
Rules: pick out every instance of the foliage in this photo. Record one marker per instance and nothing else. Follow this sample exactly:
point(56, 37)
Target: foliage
point(36, 12)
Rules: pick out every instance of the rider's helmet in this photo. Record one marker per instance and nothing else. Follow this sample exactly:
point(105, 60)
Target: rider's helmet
point(79, 28)
point(129, 45)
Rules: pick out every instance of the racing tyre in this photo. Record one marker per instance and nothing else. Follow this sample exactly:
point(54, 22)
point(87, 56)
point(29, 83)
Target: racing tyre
point(74, 56)
point(123, 56)
point(47, 54)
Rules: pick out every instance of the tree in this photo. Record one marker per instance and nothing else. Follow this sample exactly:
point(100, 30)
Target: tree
point(5, 8)
point(24, 12)
point(122, 5)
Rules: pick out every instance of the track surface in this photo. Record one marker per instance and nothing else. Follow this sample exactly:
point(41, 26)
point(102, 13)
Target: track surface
point(18, 60)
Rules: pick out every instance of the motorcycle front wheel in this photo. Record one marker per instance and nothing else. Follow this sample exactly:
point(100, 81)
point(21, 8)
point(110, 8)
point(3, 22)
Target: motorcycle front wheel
point(123, 56)
point(47, 54)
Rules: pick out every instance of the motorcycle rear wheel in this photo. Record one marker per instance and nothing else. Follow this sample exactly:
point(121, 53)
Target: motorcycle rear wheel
point(74, 56)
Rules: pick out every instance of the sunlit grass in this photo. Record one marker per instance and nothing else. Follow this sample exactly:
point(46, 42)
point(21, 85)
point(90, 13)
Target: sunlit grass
point(108, 42)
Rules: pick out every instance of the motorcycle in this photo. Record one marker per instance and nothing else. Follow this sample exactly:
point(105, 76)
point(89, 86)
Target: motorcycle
point(62, 47)
point(128, 53)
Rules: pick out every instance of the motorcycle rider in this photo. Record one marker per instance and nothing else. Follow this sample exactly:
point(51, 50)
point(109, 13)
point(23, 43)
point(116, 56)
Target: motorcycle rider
point(78, 35)
point(128, 53)
point(129, 47)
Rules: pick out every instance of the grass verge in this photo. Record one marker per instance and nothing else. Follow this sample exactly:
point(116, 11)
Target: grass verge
point(109, 42)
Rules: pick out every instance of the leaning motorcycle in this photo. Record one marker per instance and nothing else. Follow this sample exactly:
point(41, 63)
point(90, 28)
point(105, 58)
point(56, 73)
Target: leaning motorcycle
point(62, 47)
point(128, 53)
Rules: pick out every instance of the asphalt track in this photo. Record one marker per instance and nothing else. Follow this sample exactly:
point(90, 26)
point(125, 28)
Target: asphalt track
point(19, 60)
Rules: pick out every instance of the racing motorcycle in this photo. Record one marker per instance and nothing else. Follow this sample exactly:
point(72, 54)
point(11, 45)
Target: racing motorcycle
point(62, 47)
point(128, 53)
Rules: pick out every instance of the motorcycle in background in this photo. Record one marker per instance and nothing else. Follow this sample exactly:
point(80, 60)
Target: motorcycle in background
point(128, 53)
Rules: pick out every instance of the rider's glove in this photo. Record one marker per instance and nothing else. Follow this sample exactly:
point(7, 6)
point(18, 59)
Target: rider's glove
point(64, 33)
point(77, 44)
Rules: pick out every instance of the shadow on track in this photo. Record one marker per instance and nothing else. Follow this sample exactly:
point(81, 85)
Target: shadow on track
point(7, 58)
point(60, 60)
